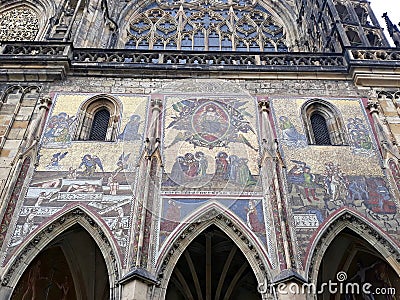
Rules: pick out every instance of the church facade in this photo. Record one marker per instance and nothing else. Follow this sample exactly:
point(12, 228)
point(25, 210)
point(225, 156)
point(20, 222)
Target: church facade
point(205, 149)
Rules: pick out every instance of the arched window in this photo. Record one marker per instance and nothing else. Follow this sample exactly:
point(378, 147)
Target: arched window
point(98, 132)
point(98, 119)
point(323, 123)
point(342, 12)
point(320, 129)
point(353, 37)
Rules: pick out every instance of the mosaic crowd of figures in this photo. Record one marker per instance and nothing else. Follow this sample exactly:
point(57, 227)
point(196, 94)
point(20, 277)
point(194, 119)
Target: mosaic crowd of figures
point(206, 25)
point(18, 24)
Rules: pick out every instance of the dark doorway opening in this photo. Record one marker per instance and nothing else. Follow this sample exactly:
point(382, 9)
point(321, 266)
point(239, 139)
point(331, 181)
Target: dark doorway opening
point(70, 267)
point(212, 267)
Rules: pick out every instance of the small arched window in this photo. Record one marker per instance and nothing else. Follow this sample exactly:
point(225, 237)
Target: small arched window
point(98, 120)
point(323, 123)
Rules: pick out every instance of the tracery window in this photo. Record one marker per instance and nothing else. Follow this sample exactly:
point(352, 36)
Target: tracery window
point(238, 25)
point(323, 123)
point(343, 12)
point(98, 120)
point(19, 24)
point(362, 15)
point(353, 37)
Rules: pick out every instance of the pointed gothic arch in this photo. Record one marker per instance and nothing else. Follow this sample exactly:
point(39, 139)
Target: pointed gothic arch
point(344, 221)
point(38, 242)
point(211, 215)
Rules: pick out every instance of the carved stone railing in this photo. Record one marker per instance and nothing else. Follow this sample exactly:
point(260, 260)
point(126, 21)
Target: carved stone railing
point(128, 57)
point(377, 56)
point(112, 60)
point(35, 49)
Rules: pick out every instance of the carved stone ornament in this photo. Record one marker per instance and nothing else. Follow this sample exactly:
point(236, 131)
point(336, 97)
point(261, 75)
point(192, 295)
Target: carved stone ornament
point(18, 24)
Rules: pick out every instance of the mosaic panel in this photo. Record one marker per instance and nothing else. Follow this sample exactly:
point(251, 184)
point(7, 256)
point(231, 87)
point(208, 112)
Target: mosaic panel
point(324, 179)
point(210, 144)
point(174, 211)
point(100, 176)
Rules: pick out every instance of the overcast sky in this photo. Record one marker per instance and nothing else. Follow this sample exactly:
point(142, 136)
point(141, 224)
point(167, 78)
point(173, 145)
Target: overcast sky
point(392, 7)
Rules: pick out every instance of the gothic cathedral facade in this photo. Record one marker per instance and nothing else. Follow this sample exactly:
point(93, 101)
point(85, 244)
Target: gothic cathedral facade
point(198, 149)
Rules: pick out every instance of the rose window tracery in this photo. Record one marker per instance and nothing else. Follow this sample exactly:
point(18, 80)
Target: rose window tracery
point(206, 25)
point(18, 24)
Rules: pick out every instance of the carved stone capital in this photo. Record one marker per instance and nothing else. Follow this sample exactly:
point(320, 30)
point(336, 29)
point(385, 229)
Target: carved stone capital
point(264, 104)
point(156, 104)
point(45, 103)
point(373, 106)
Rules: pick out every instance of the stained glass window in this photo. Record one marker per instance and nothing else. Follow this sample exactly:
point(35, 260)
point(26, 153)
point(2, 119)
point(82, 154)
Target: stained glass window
point(206, 25)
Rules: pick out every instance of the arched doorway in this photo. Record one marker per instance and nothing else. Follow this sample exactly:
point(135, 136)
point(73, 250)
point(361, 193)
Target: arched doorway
point(352, 261)
point(212, 267)
point(70, 267)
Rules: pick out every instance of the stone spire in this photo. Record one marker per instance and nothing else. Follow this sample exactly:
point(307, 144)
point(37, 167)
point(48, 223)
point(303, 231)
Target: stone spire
point(393, 30)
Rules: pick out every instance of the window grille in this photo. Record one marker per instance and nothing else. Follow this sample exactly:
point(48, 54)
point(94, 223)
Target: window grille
point(320, 130)
point(99, 128)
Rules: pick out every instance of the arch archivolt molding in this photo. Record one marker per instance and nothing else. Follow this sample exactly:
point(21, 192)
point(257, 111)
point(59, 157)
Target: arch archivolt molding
point(32, 247)
point(33, 15)
point(213, 214)
point(351, 220)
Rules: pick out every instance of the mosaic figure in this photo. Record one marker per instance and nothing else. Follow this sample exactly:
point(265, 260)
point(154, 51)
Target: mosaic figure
point(43, 196)
point(221, 165)
point(177, 176)
point(358, 190)
point(359, 137)
point(243, 176)
point(336, 184)
point(203, 163)
point(59, 131)
point(300, 175)
point(90, 163)
point(252, 219)
point(290, 135)
point(131, 130)
point(172, 216)
point(55, 160)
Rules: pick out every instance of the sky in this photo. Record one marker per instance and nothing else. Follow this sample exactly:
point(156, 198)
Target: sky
point(392, 7)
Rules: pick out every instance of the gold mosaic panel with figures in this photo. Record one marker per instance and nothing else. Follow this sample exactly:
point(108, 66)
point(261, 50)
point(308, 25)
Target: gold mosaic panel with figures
point(98, 175)
point(318, 156)
point(322, 180)
point(210, 143)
